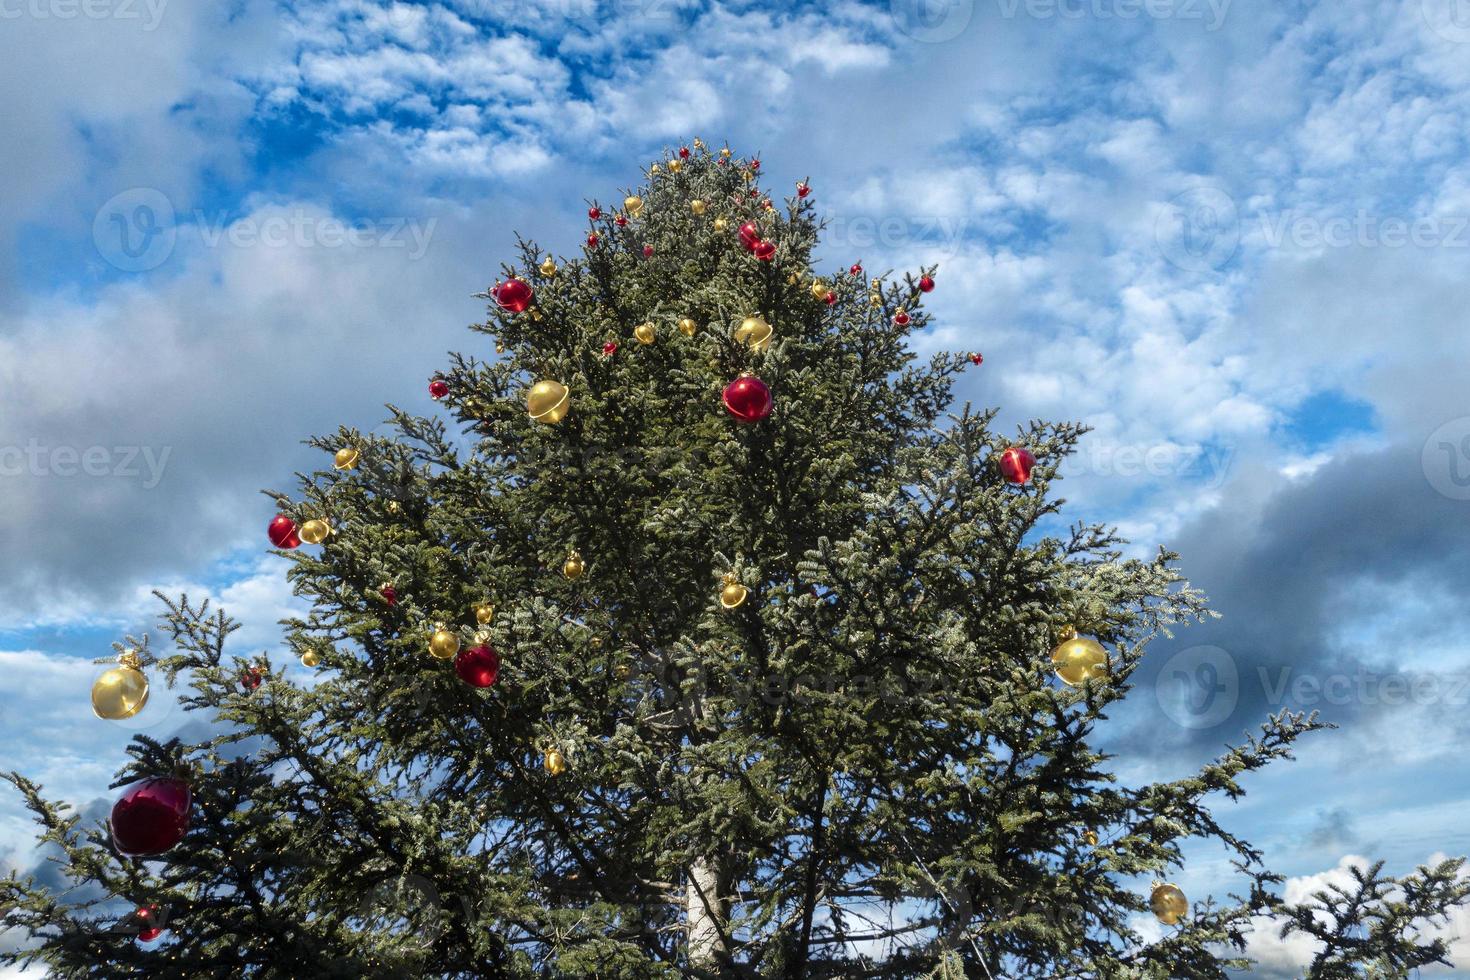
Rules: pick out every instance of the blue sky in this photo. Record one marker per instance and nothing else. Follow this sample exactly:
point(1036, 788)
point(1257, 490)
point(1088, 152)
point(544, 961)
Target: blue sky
point(1232, 235)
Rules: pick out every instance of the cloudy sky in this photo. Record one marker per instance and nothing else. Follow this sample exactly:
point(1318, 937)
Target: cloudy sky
point(1231, 235)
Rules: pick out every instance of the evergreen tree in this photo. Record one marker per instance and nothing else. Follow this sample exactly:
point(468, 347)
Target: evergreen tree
point(796, 716)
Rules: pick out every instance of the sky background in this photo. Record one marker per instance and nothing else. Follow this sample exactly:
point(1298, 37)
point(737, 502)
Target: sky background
point(1231, 235)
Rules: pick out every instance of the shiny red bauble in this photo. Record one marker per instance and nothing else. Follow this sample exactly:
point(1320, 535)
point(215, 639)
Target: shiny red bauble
point(1016, 464)
point(802, 190)
point(830, 299)
point(648, 251)
point(765, 251)
point(151, 817)
point(683, 153)
point(621, 220)
point(855, 269)
point(926, 284)
point(750, 236)
point(282, 532)
point(438, 388)
point(755, 164)
point(146, 916)
point(251, 677)
point(592, 240)
point(389, 594)
point(901, 318)
point(977, 358)
point(747, 399)
point(594, 213)
point(609, 349)
point(477, 666)
point(514, 295)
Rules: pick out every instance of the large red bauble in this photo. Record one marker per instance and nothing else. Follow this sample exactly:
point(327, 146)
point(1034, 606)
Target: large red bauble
point(148, 927)
point(592, 240)
point(438, 388)
point(648, 251)
point(250, 678)
point(750, 236)
point(1016, 464)
point(477, 666)
point(594, 213)
point(683, 153)
point(151, 817)
point(747, 398)
point(856, 269)
point(926, 284)
point(765, 251)
point(802, 190)
point(514, 295)
point(282, 532)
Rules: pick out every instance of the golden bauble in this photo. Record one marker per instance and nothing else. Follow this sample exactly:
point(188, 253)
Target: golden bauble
point(755, 332)
point(654, 168)
point(548, 401)
point(548, 267)
point(346, 458)
point(819, 289)
point(645, 332)
point(573, 567)
point(310, 658)
point(536, 314)
point(622, 671)
point(484, 613)
point(554, 762)
point(725, 152)
point(444, 643)
point(721, 224)
point(119, 693)
point(1169, 904)
point(733, 594)
point(793, 279)
point(749, 175)
point(687, 327)
point(676, 165)
point(633, 204)
point(1089, 837)
point(1079, 660)
point(315, 531)
point(394, 507)
point(877, 283)
point(696, 206)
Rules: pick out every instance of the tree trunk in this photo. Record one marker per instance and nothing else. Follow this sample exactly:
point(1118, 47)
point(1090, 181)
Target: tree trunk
point(705, 910)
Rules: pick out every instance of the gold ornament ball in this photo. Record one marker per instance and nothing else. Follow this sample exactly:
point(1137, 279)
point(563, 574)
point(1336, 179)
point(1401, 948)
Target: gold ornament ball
point(819, 289)
point(874, 300)
point(645, 332)
point(676, 165)
point(1169, 904)
point(697, 207)
point(877, 283)
point(443, 644)
point(315, 531)
point(733, 594)
point(633, 204)
point(548, 267)
point(310, 658)
point(573, 567)
point(687, 327)
point(749, 175)
point(346, 458)
point(721, 224)
point(755, 332)
point(725, 152)
point(793, 279)
point(1089, 837)
point(622, 672)
point(548, 402)
point(484, 613)
point(554, 762)
point(1079, 660)
point(119, 693)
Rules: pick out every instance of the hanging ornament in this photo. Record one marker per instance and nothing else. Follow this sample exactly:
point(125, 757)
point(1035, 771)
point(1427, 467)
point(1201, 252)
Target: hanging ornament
point(251, 678)
point(548, 267)
point(977, 358)
point(151, 817)
point(901, 318)
point(926, 284)
point(697, 207)
point(675, 166)
point(146, 918)
point(721, 224)
point(748, 399)
point(820, 290)
point(687, 327)
point(514, 295)
point(122, 691)
point(592, 240)
point(830, 299)
point(765, 251)
point(389, 594)
point(748, 174)
point(438, 388)
point(1078, 659)
point(548, 401)
point(1168, 903)
point(855, 269)
point(622, 671)
point(875, 300)
point(478, 666)
point(573, 567)
point(621, 220)
point(444, 643)
point(310, 658)
point(802, 190)
point(1016, 464)
point(346, 458)
point(648, 251)
point(645, 333)
point(484, 613)
point(725, 152)
point(282, 532)
point(793, 279)
point(315, 531)
point(1089, 837)
point(732, 593)
point(554, 762)
point(610, 348)
point(633, 205)
point(755, 164)
point(684, 150)
point(750, 235)
point(755, 333)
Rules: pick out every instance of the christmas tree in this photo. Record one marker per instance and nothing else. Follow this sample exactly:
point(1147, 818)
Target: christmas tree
point(708, 639)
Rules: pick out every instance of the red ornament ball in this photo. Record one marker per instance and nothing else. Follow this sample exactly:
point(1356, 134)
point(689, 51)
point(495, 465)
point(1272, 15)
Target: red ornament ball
point(748, 399)
point(477, 666)
point(755, 164)
point(901, 318)
point(802, 190)
point(977, 358)
point(831, 299)
point(621, 220)
point(438, 388)
point(592, 240)
point(514, 295)
point(146, 918)
point(609, 349)
point(648, 251)
point(855, 269)
point(151, 817)
point(750, 236)
point(389, 594)
point(1016, 464)
point(282, 532)
point(250, 678)
point(765, 251)
point(594, 213)
point(683, 153)
point(767, 204)
point(926, 284)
